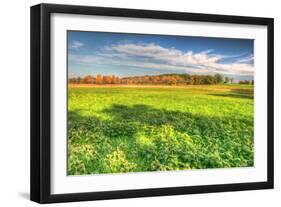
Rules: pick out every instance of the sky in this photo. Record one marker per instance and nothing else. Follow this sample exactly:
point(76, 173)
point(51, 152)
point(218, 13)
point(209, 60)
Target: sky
point(124, 54)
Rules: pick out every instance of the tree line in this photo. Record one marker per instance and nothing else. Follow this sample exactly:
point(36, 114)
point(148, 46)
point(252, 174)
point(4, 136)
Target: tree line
point(164, 79)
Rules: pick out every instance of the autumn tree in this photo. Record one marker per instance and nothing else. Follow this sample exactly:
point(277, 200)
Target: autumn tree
point(113, 79)
point(88, 79)
point(99, 79)
point(106, 79)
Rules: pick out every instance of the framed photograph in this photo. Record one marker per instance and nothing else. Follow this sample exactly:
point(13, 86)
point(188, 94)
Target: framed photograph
point(133, 103)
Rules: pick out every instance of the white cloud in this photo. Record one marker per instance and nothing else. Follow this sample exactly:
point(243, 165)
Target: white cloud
point(76, 44)
point(86, 59)
point(168, 55)
point(158, 57)
point(246, 59)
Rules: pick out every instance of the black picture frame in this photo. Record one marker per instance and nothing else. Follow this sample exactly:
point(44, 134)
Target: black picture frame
point(41, 97)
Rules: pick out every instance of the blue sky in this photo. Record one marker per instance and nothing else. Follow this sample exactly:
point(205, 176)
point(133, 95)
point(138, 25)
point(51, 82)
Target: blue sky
point(122, 54)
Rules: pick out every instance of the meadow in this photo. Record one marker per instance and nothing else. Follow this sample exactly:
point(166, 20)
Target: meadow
point(117, 129)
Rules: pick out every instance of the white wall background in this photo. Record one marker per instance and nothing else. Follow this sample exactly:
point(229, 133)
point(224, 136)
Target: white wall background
point(14, 102)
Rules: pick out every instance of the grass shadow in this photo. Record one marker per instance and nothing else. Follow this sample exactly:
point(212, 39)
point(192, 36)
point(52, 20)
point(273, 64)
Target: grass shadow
point(236, 93)
point(125, 121)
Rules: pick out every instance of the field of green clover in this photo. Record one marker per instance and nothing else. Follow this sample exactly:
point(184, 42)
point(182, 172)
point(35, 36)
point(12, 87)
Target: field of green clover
point(135, 129)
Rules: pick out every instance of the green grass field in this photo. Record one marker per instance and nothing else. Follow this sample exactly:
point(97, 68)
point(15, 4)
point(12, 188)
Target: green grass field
point(136, 129)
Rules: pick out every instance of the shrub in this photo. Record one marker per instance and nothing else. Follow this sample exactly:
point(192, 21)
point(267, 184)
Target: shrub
point(116, 162)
